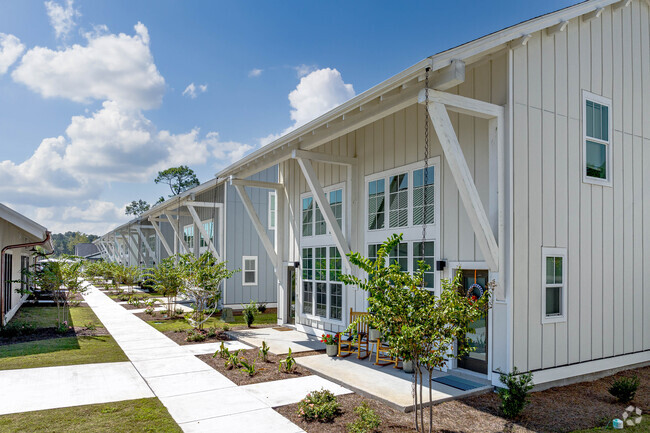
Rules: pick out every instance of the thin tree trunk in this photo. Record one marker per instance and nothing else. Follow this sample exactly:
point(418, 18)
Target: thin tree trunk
point(419, 371)
point(415, 398)
point(430, 403)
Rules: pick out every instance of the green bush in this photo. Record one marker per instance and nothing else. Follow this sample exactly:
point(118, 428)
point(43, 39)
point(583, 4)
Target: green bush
point(212, 332)
point(12, 330)
point(261, 307)
point(250, 311)
point(195, 335)
point(367, 422)
point(514, 397)
point(624, 388)
point(319, 405)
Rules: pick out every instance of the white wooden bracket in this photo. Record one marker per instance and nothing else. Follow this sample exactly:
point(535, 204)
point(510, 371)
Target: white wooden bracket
point(326, 210)
point(255, 183)
point(145, 241)
point(163, 241)
point(438, 105)
point(199, 225)
point(622, 4)
point(592, 15)
point(181, 240)
point(128, 245)
point(324, 157)
point(557, 28)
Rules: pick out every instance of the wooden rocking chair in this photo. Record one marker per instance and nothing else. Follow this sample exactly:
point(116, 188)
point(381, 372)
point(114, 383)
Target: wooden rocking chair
point(357, 341)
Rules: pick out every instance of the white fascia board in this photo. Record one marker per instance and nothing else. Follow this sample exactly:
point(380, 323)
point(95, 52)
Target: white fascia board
point(463, 52)
point(22, 222)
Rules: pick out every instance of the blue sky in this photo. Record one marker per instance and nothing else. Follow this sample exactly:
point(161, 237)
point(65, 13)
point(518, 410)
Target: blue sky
point(94, 95)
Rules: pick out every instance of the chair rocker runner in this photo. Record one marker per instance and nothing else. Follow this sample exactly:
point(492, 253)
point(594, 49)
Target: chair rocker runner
point(357, 341)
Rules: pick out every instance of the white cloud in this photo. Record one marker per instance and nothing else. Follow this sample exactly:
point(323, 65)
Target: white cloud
point(111, 145)
point(62, 17)
point(10, 50)
point(317, 93)
point(255, 72)
point(303, 70)
point(114, 67)
point(192, 91)
point(226, 152)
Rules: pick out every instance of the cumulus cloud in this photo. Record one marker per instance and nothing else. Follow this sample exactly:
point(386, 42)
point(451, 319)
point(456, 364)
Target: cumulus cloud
point(192, 91)
point(303, 70)
point(226, 152)
point(110, 67)
point(10, 51)
point(318, 92)
point(62, 17)
point(255, 72)
point(112, 145)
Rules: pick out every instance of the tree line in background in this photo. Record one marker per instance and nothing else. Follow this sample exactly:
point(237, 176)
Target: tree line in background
point(64, 242)
point(178, 179)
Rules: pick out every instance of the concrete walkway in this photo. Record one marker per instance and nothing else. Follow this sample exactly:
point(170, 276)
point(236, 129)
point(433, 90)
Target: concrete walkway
point(279, 341)
point(198, 397)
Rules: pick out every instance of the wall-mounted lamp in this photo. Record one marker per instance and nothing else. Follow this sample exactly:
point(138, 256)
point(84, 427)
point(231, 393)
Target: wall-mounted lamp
point(296, 265)
point(441, 265)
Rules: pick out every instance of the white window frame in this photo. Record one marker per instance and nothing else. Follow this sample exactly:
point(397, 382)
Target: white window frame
point(598, 99)
point(244, 271)
point(555, 252)
point(411, 233)
point(273, 211)
point(311, 315)
point(324, 239)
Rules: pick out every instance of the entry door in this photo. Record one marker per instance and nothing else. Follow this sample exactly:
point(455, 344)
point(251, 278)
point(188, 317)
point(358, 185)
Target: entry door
point(290, 295)
point(477, 360)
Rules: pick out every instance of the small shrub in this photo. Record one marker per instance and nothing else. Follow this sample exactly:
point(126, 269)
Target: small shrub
point(74, 303)
point(11, 330)
point(90, 326)
point(367, 422)
point(223, 352)
point(248, 368)
point(319, 405)
point(233, 360)
point(150, 311)
point(195, 335)
point(514, 397)
point(63, 328)
point(264, 351)
point(261, 307)
point(179, 311)
point(250, 311)
point(287, 364)
point(624, 388)
point(226, 327)
point(212, 332)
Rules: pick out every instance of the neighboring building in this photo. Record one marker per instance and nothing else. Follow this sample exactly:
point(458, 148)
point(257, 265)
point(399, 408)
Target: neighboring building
point(88, 251)
point(18, 236)
point(539, 147)
point(209, 217)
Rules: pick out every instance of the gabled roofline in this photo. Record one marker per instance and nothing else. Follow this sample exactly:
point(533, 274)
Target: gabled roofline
point(22, 222)
point(467, 52)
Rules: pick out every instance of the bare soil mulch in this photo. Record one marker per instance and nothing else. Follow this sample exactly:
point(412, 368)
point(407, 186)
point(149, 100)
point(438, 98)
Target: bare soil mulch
point(50, 333)
point(267, 371)
point(180, 337)
point(561, 409)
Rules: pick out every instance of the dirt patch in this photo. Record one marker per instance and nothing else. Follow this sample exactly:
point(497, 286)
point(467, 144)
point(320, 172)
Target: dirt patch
point(268, 371)
point(50, 333)
point(562, 409)
point(180, 337)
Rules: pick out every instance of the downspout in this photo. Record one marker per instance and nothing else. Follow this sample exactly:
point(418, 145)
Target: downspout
point(2, 270)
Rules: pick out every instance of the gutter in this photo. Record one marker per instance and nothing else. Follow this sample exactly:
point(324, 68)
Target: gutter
point(2, 270)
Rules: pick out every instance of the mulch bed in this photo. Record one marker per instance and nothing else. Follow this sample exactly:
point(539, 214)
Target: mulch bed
point(268, 371)
point(50, 333)
point(180, 337)
point(561, 409)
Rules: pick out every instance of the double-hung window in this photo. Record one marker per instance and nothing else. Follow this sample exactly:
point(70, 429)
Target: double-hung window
point(597, 116)
point(188, 236)
point(307, 216)
point(554, 287)
point(250, 270)
point(322, 290)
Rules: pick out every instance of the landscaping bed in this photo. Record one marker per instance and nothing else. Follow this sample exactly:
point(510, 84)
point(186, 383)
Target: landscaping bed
point(180, 336)
point(143, 415)
point(162, 323)
point(267, 371)
point(586, 405)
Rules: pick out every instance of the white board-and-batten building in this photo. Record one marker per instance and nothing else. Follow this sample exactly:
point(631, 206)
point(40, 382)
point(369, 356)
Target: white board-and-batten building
point(539, 144)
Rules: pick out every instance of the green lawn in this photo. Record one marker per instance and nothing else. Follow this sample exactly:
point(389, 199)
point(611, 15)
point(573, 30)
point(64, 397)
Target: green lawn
point(144, 415)
point(60, 351)
point(46, 317)
point(644, 427)
point(180, 323)
point(137, 294)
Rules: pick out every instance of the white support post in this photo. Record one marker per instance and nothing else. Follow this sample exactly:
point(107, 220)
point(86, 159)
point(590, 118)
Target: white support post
point(172, 222)
point(261, 230)
point(199, 225)
point(466, 187)
point(326, 210)
point(118, 247)
point(146, 243)
point(161, 237)
point(128, 244)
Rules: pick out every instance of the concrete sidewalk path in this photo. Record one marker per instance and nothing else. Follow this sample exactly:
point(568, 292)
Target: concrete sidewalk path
point(71, 385)
point(199, 398)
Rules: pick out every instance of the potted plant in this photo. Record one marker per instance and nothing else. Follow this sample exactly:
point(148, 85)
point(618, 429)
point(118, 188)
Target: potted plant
point(331, 344)
point(374, 333)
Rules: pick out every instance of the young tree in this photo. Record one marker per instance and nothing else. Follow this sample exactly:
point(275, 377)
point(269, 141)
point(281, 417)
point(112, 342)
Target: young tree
point(418, 325)
point(179, 179)
point(203, 277)
point(137, 208)
point(168, 280)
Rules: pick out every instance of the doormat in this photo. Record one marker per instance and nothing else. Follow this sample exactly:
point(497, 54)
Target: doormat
point(284, 328)
point(457, 382)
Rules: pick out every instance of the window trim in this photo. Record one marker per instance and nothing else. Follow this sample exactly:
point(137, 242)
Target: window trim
point(244, 270)
point(598, 99)
point(315, 240)
point(273, 211)
point(311, 315)
point(555, 252)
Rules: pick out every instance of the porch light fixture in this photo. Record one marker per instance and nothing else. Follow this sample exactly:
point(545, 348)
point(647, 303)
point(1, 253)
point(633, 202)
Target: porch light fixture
point(441, 265)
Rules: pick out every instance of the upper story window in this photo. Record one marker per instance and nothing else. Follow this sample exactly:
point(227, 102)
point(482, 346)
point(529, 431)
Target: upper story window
point(313, 219)
point(423, 195)
point(597, 139)
point(554, 292)
point(188, 236)
point(272, 210)
point(398, 200)
point(376, 205)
